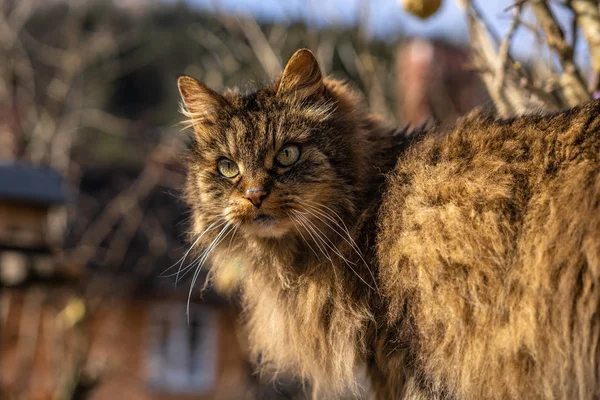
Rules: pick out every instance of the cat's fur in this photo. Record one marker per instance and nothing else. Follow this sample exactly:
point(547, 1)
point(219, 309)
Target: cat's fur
point(471, 270)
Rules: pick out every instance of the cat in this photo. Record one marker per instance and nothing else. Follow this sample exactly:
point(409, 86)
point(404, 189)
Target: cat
point(449, 265)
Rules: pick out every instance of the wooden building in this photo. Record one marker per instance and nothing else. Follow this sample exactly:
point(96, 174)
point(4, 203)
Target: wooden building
point(32, 221)
point(41, 343)
point(107, 328)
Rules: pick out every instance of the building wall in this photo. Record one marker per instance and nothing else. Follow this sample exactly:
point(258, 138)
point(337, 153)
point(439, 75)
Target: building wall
point(125, 358)
point(42, 343)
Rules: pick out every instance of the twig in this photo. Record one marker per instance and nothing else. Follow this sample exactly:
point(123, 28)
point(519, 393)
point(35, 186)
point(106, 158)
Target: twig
point(574, 88)
point(125, 233)
point(517, 4)
point(503, 51)
point(508, 100)
point(587, 17)
point(260, 46)
point(126, 201)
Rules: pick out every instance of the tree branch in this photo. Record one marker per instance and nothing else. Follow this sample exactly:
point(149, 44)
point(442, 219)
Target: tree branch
point(587, 17)
point(574, 87)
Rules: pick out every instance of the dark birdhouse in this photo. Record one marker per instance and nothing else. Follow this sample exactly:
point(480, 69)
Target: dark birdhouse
point(32, 221)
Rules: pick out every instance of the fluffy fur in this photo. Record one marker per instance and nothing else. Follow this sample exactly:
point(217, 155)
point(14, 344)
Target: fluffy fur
point(489, 251)
point(470, 270)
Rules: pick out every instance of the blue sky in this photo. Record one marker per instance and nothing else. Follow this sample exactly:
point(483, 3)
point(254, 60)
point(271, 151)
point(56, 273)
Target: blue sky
point(387, 18)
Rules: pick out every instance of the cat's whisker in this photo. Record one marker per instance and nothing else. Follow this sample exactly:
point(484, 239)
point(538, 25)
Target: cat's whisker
point(183, 258)
point(317, 240)
point(198, 260)
point(215, 225)
point(184, 272)
point(327, 241)
point(308, 229)
point(348, 239)
point(349, 263)
point(216, 241)
point(316, 205)
point(323, 208)
point(323, 250)
point(194, 263)
point(202, 258)
point(291, 217)
point(179, 262)
point(232, 236)
point(312, 211)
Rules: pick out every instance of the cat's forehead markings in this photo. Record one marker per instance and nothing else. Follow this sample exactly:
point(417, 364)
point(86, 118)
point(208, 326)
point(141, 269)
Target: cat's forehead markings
point(237, 126)
point(268, 161)
point(237, 132)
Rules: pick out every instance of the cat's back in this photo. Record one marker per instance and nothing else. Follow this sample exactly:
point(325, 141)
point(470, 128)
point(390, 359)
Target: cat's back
point(490, 245)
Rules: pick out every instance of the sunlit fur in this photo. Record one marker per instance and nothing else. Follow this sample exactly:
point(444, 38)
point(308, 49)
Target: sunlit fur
point(469, 271)
point(489, 253)
point(309, 306)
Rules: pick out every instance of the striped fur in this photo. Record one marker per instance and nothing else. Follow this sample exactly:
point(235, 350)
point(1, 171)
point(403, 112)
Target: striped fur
point(457, 265)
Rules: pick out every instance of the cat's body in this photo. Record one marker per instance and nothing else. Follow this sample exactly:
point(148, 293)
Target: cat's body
point(490, 248)
point(472, 272)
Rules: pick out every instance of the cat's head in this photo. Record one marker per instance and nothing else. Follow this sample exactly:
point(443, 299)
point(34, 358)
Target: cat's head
point(275, 161)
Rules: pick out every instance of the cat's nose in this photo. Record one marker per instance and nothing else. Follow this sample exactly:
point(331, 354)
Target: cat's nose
point(256, 195)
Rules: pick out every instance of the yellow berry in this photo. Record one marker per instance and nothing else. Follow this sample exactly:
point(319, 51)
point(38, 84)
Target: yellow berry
point(422, 8)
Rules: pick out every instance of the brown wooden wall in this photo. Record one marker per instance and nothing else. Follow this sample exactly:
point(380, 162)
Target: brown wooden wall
point(50, 340)
point(41, 343)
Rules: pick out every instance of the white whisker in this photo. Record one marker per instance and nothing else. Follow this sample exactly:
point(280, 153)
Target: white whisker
point(232, 236)
point(291, 217)
point(183, 258)
point(326, 240)
point(314, 203)
point(331, 245)
point(216, 241)
point(348, 238)
point(352, 242)
point(312, 233)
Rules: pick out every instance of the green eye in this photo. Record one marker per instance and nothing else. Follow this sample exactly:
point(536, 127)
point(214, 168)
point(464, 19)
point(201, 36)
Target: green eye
point(227, 168)
point(288, 155)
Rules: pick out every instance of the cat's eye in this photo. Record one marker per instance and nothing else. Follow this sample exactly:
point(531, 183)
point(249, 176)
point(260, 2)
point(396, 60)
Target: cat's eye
point(227, 168)
point(288, 155)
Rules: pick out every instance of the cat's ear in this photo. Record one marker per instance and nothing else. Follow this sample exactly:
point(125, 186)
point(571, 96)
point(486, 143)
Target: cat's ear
point(201, 104)
point(302, 77)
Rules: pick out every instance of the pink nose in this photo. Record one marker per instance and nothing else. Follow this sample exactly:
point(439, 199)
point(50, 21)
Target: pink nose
point(256, 196)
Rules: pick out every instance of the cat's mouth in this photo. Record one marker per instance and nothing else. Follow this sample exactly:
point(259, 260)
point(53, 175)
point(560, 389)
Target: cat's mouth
point(265, 225)
point(264, 219)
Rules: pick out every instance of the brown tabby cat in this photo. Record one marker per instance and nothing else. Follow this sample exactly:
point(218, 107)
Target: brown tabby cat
point(463, 265)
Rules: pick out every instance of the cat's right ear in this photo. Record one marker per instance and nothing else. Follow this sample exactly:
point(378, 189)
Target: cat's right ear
point(201, 104)
point(301, 77)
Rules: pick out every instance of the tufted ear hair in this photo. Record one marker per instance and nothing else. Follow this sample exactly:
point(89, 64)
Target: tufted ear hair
point(301, 77)
point(200, 103)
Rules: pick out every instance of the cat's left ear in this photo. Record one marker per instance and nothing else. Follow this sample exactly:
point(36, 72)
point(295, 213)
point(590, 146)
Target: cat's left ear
point(201, 103)
point(302, 77)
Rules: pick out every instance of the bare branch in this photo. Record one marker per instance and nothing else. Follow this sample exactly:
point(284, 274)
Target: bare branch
point(587, 17)
point(503, 51)
point(574, 87)
point(261, 47)
point(126, 201)
point(507, 97)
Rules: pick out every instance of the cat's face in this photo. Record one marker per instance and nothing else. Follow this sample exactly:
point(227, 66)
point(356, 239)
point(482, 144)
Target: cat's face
point(271, 163)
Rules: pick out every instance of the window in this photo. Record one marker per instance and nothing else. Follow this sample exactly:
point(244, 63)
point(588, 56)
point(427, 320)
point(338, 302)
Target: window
point(182, 358)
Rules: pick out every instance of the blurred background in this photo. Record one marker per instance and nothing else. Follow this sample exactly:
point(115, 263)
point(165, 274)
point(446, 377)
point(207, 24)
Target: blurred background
point(91, 160)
